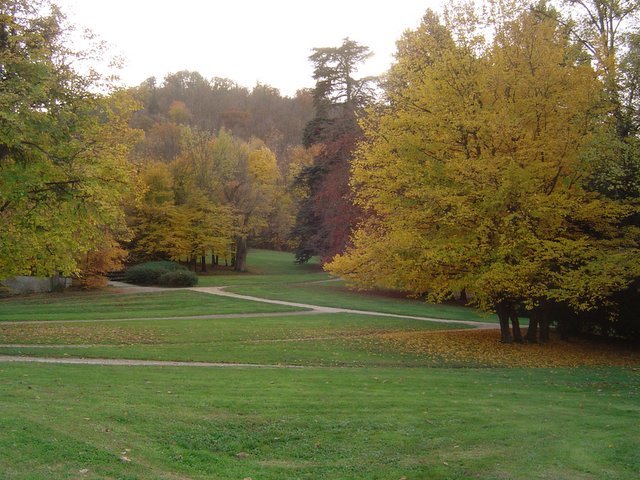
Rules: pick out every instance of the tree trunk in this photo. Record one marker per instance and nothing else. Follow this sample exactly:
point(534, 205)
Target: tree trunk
point(515, 323)
point(532, 330)
point(563, 326)
point(240, 264)
point(203, 263)
point(463, 296)
point(544, 329)
point(505, 333)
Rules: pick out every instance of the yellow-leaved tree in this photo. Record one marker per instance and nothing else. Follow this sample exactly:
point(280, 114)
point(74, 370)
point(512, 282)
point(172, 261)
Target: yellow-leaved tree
point(64, 169)
point(472, 171)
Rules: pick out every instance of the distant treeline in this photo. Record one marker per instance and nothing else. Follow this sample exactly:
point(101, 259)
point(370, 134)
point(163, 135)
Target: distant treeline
point(187, 98)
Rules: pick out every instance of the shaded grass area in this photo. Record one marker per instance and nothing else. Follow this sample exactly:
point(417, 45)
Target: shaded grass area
point(483, 347)
point(327, 423)
point(104, 305)
point(266, 266)
point(337, 339)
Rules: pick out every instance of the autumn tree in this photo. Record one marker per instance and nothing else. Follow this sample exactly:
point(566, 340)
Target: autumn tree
point(154, 218)
point(608, 31)
point(250, 189)
point(95, 265)
point(474, 176)
point(327, 214)
point(63, 148)
point(289, 194)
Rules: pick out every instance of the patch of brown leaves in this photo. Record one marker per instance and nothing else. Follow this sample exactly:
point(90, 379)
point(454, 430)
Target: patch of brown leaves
point(483, 347)
point(73, 334)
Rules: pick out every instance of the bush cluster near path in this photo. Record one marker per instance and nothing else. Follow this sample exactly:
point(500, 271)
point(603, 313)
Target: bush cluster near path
point(163, 273)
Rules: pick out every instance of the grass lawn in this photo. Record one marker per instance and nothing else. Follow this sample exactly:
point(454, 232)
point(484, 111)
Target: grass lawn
point(370, 397)
point(94, 422)
point(341, 339)
point(95, 306)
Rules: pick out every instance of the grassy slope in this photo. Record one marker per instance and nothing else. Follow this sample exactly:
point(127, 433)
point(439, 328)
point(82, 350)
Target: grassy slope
point(306, 340)
point(317, 423)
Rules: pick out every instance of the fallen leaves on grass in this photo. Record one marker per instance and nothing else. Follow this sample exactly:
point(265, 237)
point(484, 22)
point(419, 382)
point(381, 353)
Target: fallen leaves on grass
point(483, 347)
point(74, 334)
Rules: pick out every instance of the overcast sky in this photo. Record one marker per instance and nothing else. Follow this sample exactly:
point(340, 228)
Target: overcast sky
point(248, 41)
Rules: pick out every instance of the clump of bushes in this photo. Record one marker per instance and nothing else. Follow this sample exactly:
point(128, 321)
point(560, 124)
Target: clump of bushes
point(178, 278)
point(164, 273)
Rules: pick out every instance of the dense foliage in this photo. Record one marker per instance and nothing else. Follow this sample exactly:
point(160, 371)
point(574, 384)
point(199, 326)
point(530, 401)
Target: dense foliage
point(149, 273)
point(326, 211)
point(188, 99)
point(478, 168)
point(64, 171)
point(217, 160)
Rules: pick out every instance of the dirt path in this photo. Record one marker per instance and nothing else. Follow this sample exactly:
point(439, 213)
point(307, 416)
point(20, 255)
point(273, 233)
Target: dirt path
point(123, 361)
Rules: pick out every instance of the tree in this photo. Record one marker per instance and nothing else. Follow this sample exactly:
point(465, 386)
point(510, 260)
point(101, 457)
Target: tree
point(63, 148)
point(333, 72)
point(603, 28)
point(251, 192)
point(326, 215)
point(473, 173)
point(607, 29)
point(107, 257)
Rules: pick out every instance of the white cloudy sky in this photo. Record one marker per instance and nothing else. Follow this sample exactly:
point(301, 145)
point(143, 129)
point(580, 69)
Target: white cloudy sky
point(248, 41)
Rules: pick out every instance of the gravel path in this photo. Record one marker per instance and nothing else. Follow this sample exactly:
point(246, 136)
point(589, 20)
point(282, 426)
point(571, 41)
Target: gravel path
point(123, 361)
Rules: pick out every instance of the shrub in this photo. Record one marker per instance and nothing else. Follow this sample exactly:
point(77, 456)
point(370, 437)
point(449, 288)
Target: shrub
point(178, 278)
point(149, 273)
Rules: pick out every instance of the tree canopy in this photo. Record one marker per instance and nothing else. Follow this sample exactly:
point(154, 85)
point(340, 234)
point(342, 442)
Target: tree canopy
point(64, 171)
point(474, 171)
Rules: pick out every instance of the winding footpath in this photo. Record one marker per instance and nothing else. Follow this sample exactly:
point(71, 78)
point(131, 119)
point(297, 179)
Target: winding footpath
point(305, 309)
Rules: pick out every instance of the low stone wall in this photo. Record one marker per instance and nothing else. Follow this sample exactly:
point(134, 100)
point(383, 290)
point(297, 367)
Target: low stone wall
point(23, 284)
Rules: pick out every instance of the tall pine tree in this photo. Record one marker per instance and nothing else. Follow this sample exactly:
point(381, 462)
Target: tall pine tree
point(327, 214)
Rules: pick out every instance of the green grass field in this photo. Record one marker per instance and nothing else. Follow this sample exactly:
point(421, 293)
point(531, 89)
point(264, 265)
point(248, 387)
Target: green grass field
point(330, 340)
point(353, 407)
point(170, 303)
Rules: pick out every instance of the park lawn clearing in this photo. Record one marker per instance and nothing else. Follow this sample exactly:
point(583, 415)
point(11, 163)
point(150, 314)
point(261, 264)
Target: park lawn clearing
point(267, 267)
point(274, 275)
point(106, 305)
point(335, 294)
point(78, 421)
